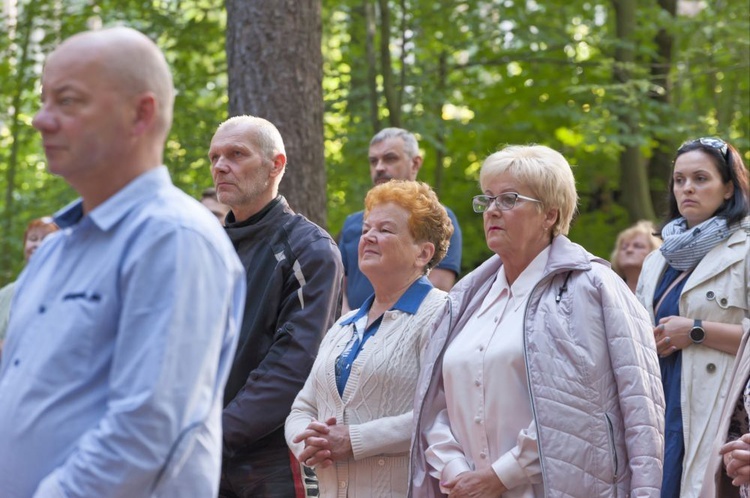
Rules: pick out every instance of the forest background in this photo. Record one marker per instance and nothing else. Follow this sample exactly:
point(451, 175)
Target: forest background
point(615, 85)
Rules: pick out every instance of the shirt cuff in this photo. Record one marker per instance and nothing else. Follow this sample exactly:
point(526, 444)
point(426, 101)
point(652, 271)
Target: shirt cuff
point(451, 470)
point(509, 471)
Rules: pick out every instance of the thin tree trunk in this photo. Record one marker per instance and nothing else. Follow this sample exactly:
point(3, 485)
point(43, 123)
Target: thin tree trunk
point(386, 66)
point(440, 132)
point(372, 64)
point(633, 178)
point(402, 58)
point(275, 68)
point(25, 24)
point(660, 164)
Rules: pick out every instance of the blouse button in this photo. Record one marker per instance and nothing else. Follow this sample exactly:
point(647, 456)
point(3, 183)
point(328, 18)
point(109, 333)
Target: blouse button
point(710, 295)
point(710, 368)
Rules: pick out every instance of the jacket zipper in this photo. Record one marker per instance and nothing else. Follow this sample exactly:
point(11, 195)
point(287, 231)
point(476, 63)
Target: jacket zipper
point(612, 447)
point(558, 298)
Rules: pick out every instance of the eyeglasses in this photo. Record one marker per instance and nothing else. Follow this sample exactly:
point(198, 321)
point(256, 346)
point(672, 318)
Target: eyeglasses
point(504, 202)
point(714, 143)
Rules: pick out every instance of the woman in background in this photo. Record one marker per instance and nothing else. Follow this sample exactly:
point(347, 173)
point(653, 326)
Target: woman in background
point(631, 248)
point(35, 233)
point(695, 287)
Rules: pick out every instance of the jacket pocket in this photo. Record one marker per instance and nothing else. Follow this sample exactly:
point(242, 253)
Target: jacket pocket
point(612, 447)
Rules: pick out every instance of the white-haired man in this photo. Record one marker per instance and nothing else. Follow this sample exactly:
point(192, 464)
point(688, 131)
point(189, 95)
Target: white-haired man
point(294, 276)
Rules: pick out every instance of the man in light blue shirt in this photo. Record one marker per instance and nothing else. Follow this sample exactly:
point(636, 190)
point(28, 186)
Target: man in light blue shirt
point(124, 324)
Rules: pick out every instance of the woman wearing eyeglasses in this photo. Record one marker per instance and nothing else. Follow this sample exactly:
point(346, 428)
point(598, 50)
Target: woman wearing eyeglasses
point(542, 377)
point(696, 291)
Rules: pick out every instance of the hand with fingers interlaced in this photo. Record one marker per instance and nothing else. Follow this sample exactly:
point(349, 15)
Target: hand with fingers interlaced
point(737, 459)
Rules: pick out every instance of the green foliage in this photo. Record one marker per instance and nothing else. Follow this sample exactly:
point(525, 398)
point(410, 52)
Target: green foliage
point(532, 72)
point(192, 35)
point(470, 77)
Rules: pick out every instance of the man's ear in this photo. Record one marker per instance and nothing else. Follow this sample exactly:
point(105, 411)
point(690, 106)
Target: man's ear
point(278, 165)
point(145, 112)
point(416, 164)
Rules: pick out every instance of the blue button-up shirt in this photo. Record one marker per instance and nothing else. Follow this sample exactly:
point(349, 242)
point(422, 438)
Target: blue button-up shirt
point(122, 330)
point(409, 302)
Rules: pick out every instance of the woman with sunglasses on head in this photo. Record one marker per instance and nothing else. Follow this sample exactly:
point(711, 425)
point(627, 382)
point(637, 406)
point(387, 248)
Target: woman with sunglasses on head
point(541, 378)
point(696, 290)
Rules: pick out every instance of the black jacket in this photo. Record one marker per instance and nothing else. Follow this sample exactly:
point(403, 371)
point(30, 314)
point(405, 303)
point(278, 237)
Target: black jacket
point(294, 276)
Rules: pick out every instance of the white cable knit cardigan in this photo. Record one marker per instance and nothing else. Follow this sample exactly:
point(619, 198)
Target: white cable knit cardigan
point(377, 402)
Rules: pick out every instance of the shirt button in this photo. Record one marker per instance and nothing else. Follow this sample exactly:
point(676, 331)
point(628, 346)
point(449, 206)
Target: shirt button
point(478, 420)
point(483, 455)
point(477, 383)
point(496, 319)
point(42, 309)
point(481, 348)
point(342, 484)
point(16, 362)
point(710, 368)
point(381, 462)
point(710, 295)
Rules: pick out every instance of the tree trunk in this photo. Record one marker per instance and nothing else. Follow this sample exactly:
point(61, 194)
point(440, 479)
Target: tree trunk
point(633, 179)
point(440, 131)
point(22, 36)
point(275, 69)
point(372, 65)
point(386, 66)
point(660, 164)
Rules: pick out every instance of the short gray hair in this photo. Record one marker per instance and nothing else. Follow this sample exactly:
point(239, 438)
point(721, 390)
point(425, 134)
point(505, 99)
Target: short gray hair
point(545, 171)
point(267, 136)
point(411, 146)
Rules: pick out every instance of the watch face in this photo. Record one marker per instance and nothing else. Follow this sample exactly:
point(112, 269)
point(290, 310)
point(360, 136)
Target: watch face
point(697, 334)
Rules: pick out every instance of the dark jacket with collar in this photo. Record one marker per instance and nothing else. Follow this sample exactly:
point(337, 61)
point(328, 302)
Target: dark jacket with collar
point(294, 276)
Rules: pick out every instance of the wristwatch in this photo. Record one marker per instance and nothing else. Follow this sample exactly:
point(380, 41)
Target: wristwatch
point(697, 333)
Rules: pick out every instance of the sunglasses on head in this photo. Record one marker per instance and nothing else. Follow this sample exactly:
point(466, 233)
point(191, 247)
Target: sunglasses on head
point(714, 143)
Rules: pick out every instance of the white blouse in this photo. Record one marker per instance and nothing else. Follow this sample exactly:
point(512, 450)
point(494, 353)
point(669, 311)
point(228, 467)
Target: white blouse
point(488, 420)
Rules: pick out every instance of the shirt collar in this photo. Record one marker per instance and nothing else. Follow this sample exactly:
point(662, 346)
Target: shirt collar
point(111, 211)
point(530, 276)
point(409, 301)
point(522, 285)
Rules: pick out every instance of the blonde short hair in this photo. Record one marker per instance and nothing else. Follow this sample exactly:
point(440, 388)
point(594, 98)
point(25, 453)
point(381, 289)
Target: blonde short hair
point(545, 171)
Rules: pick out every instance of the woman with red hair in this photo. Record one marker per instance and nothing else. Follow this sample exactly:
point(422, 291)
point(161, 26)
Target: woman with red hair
point(35, 232)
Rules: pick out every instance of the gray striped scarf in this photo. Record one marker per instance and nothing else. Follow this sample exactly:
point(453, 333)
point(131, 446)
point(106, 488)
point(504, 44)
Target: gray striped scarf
point(684, 248)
